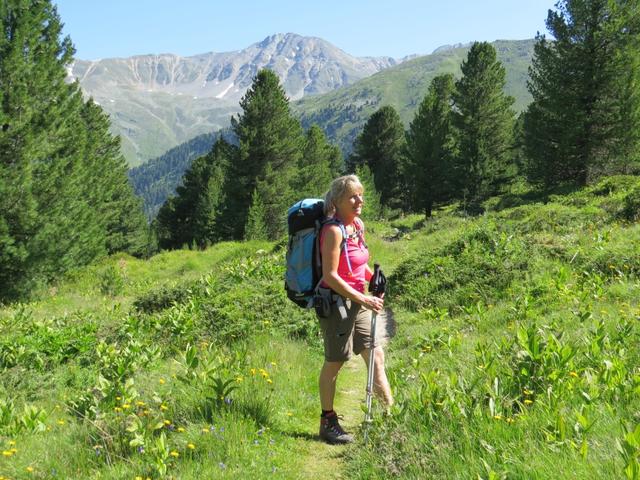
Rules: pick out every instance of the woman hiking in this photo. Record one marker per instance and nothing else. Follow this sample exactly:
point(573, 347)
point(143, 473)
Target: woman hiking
point(346, 329)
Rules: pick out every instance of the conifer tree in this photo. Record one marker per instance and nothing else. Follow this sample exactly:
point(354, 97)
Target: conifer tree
point(268, 136)
point(372, 208)
point(483, 119)
point(256, 228)
point(62, 180)
point(431, 147)
point(584, 113)
point(319, 164)
point(380, 146)
point(191, 217)
point(107, 188)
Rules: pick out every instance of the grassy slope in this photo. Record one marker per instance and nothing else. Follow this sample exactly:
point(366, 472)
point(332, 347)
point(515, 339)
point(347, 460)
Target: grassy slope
point(570, 267)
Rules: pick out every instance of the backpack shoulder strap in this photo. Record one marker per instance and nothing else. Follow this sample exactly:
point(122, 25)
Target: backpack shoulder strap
point(360, 231)
point(343, 244)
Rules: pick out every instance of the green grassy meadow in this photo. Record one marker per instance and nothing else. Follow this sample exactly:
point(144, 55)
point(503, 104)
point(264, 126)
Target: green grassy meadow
point(516, 356)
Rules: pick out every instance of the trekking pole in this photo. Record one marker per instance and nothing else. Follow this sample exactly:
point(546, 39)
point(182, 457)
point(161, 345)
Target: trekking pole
point(376, 287)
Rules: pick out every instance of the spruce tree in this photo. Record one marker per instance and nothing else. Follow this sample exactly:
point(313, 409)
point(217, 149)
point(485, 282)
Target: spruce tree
point(256, 228)
point(483, 119)
point(584, 113)
point(431, 147)
point(319, 164)
point(372, 208)
point(123, 227)
point(62, 180)
point(380, 146)
point(268, 136)
point(191, 217)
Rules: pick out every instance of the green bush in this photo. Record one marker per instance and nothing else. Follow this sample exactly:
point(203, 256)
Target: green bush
point(479, 266)
point(162, 297)
point(631, 205)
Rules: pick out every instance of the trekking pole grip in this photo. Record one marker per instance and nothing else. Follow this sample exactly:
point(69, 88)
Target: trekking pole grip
point(374, 283)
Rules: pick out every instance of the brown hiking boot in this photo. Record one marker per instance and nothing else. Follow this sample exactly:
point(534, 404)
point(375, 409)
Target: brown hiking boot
point(331, 431)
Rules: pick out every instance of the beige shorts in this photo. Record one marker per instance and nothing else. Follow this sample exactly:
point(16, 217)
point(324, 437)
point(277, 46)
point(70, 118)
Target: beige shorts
point(342, 338)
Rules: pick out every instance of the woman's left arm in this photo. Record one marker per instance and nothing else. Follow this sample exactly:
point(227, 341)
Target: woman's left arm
point(368, 273)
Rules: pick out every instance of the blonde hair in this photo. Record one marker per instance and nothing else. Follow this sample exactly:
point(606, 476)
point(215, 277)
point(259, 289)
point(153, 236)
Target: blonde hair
point(340, 187)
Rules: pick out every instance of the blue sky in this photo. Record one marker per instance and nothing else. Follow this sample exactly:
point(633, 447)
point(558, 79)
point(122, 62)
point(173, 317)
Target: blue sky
point(121, 28)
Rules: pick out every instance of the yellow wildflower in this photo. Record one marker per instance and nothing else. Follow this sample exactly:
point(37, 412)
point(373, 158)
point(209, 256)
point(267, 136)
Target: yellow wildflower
point(269, 380)
point(510, 420)
point(191, 446)
point(117, 409)
point(173, 453)
point(7, 453)
point(60, 422)
point(573, 374)
point(253, 371)
point(180, 429)
point(12, 442)
point(29, 469)
point(162, 381)
point(528, 402)
point(205, 430)
point(140, 404)
point(498, 417)
point(139, 477)
point(163, 407)
point(527, 392)
point(290, 414)
point(239, 379)
point(118, 398)
point(167, 422)
point(273, 364)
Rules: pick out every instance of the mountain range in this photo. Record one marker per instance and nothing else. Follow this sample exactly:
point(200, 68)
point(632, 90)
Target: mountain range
point(159, 101)
point(341, 113)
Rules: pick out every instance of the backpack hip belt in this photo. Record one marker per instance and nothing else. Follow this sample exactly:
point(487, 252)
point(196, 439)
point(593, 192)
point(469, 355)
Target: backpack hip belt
point(324, 298)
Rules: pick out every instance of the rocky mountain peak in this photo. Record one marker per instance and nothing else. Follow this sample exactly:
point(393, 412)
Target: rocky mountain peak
point(187, 96)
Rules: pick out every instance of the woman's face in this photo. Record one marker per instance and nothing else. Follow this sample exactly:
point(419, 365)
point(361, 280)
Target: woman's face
point(351, 202)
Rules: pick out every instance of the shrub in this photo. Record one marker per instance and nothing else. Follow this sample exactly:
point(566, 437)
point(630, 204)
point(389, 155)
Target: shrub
point(479, 266)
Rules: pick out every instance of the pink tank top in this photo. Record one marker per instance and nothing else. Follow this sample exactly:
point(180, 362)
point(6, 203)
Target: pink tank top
point(358, 257)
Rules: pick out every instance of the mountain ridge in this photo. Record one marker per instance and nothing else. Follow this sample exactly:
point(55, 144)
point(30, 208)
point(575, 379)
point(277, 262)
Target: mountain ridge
point(158, 101)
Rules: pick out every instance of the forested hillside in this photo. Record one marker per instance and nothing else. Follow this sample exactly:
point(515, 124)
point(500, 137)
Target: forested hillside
point(157, 179)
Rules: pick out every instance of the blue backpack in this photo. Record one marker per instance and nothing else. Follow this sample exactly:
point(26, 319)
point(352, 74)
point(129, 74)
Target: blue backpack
point(305, 219)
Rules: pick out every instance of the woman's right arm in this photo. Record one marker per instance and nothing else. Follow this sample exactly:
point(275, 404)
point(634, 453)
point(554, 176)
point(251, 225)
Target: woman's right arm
point(331, 252)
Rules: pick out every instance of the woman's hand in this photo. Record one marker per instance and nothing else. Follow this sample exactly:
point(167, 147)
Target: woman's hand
point(372, 303)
